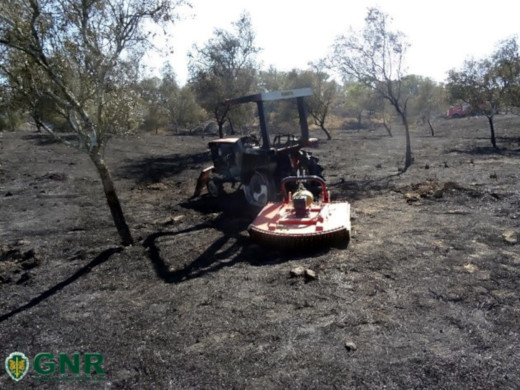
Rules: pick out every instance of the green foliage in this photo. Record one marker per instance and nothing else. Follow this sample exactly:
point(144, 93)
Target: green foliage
point(74, 62)
point(12, 113)
point(426, 98)
point(225, 67)
point(10, 118)
point(153, 115)
point(374, 56)
point(494, 80)
point(490, 84)
point(272, 79)
point(359, 102)
point(506, 72)
point(166, 106)
point(187, 111)
point(285, 117)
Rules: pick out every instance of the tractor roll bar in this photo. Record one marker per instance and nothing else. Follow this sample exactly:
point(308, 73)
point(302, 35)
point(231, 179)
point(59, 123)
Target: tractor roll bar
point(260, 98)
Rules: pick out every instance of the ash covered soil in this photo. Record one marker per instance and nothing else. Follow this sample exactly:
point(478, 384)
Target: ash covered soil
point(427, 294)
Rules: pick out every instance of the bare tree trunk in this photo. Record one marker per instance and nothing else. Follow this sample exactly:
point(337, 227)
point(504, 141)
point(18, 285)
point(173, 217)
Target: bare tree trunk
point(221, 119)
point(492, 129)
point(326, 132)
point(231, 127)
point(320, 121)
point(112, 200)
point(408, 154)
point(431, 127)
point(387, 127)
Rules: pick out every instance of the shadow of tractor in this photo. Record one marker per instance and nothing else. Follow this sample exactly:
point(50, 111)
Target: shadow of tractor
point(215, 244)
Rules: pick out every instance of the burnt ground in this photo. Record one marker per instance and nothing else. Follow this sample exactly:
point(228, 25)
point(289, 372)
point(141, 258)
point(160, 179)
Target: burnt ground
point(427, 295)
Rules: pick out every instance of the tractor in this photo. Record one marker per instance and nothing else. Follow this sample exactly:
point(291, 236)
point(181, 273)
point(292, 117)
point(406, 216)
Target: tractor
point(260, 165)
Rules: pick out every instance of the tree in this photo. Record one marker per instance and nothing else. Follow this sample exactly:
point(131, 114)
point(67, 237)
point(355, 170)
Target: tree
point(283, 116)
point(506, 63)
point(360, 101)
point(318, 105)
point(426, 99)
point(154, 114)
point(180, 103)
point(82, 56)
point(488, 84)
point(271, 79)
point(475, 85)
point(374, 56)
point(166, 105)
point(324, 95)
point(11, 109)
point(188, 113)
point(225, 67)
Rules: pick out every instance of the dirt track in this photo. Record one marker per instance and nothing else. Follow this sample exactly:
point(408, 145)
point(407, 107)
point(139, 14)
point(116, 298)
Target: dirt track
point(427, 295)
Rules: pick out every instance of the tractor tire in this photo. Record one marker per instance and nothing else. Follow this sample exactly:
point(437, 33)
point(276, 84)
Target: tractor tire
point(260, 189)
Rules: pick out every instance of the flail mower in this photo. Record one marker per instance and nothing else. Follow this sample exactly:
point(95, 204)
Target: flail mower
point(302, 220)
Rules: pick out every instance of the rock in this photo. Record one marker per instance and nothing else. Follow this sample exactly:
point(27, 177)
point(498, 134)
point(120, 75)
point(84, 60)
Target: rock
point(350, 345)
point(157, 186)
point(310, 274)
point(177, 218)
point(510, 236)
point(298, 271)
point(412, 197)
point(168, 220)
point(471, 268)
point(165, 221)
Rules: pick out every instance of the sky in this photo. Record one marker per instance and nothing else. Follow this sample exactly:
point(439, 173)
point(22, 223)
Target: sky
point(292, 33)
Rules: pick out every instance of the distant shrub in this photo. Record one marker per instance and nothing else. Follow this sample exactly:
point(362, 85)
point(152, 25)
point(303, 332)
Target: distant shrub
point(11, 120)
point(352, 124)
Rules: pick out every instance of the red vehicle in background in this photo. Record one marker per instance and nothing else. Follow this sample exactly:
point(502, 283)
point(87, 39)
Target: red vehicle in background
point(460, 111)
point(466, 109)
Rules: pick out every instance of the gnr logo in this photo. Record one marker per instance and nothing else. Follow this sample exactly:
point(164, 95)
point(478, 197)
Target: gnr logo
point(17, 365)
point(70, 367)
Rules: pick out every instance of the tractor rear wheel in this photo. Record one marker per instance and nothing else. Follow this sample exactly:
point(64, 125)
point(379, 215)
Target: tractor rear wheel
point(259, 190)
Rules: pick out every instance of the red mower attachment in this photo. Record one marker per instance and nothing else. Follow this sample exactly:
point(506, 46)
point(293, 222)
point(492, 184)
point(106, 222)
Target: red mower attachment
point(301, 220)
